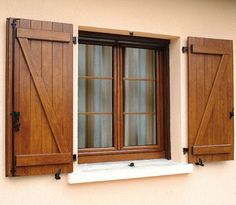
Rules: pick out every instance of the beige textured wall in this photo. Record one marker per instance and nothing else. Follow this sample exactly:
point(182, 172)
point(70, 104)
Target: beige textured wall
point(213, 184)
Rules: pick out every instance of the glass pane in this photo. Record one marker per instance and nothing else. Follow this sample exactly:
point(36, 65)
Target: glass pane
point(139, 96)
point(140, 130)
point(139, 63)
point(95, 60)
point(95, 131)
point(95, 95)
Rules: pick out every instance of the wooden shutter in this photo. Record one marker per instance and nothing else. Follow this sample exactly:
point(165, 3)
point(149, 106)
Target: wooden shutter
point(39, 92)
point(210, 99)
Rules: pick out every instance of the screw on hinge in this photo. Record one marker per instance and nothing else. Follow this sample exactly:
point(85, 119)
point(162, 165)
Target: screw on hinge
point(131, 164)
point(57, 174)
point(184, 49)
point(185, 150)
point(200, 162)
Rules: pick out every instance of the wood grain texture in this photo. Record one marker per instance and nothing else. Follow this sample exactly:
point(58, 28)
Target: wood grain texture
point(210, 99)
point(212, 149)
point(46, 35)
point(42, 159)
point(43, 96)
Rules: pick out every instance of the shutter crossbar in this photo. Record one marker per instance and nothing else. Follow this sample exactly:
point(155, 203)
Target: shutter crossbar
point(43, 159)
point(212, 149)
point(43, 35)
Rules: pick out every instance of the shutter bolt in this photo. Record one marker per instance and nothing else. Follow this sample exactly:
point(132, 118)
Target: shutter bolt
point(184, 49)
point(200, 162)
point(57, 175)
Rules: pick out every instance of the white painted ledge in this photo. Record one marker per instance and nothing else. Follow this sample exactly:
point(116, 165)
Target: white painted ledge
point(120, 170)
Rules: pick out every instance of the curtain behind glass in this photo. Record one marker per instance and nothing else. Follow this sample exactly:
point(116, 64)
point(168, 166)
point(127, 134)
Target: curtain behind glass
point(95, 95)
point(140, 129)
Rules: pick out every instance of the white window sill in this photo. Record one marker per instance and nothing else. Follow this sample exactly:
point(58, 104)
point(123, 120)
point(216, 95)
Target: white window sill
point(120, 170)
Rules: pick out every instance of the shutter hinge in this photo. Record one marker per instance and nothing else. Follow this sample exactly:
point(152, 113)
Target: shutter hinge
point(15, 121)
point(74, 39)
point(185, 150)
point(184, 49)
point(74, 157)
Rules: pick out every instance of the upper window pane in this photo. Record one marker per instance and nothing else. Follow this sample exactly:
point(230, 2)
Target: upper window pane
point(95, 60)
point(139, 63)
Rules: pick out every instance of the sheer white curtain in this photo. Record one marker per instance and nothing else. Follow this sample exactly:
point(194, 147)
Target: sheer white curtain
point(95, 95)
point(140, 128)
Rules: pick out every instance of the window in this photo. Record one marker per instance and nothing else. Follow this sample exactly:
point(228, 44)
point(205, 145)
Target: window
point(123, 98)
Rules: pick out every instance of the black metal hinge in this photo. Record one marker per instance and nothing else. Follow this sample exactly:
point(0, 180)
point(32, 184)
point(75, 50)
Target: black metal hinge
point(185, 150)
point(15, 121)
point(184, 49)
point(74, 39)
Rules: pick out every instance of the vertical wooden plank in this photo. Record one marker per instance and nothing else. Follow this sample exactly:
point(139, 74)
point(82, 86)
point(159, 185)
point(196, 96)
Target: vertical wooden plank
point(23, 82)
point(36, 107)
point(49, 144)
point(230, 104)
point(67, 92)
point(9, 80)
point(209, 76)
point(192, 96)
point(57, 79)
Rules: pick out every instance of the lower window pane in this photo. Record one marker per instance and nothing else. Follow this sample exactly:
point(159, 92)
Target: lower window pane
point(140, 130)
point(95, 131)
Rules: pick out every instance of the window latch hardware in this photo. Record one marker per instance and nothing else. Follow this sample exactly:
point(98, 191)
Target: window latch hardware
point(231, 114)
point(200, 162)
point(184, 49)
point(131, 164)
point(15, 121)
point(185, 150)
point(57, 175)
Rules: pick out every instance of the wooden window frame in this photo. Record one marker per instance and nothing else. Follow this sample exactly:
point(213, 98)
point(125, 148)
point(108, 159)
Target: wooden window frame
point(119, 152)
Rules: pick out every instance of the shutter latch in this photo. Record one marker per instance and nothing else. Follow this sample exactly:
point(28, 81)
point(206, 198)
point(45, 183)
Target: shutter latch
point(185, 150)
point(184, 49)
point(231, 114)
point(57, 175)
point(74, 39)
point(200, 162)
point(15, 121)
point(74, 157)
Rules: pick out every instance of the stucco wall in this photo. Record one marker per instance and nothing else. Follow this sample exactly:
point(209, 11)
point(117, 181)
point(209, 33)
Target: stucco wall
point(213, 184)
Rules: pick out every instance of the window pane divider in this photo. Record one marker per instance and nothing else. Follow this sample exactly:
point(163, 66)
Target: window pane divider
point(95, 78)
point(140, 79)
point(139, 113)
point(95, 113)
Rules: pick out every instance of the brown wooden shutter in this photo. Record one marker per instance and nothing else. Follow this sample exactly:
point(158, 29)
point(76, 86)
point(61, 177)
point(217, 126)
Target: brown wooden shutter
point(210, 99)
point(39, 93)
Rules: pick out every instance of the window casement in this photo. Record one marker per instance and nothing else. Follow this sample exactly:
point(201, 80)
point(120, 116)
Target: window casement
point(123, 98)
